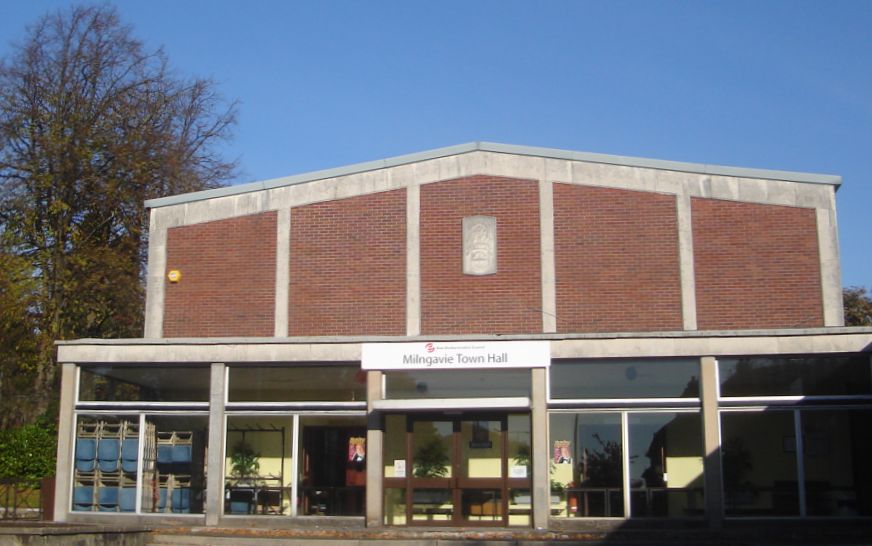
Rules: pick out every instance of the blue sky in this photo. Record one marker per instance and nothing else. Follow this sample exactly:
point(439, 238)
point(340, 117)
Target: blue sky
point(766, 84)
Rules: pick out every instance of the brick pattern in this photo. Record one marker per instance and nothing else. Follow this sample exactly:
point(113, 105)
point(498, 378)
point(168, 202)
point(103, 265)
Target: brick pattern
point(228, 272)
point(756, 266)
point(348, 267)
point(506, 302)
point(616, 260)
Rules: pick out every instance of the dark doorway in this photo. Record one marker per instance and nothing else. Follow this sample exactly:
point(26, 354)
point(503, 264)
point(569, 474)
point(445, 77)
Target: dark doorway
point(333, 473)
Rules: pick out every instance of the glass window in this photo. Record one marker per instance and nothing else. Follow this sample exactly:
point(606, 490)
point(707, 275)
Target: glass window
point(332, 466)
point(457, 384)
point(395, 447)
point(111, 452)
point(174, 464)
point(758, 451)
point(620, 378)
point(666, 472)
point(106, 463)
point(258, 465)
point(318, 383)
point(795, 375)
point(395, 506)
point(587, 465)
point(144, 384)
point(836, 447)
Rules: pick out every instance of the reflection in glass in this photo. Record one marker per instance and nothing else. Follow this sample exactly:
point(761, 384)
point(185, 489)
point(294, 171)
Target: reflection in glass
point(619, 378)
point(666, 464)
point(817, 375)
point(395, 446)
point(481, 505)
point(520, 458)
point(836, 447)
point(587, 468)
point(431, 448)
point(320, 383)
point(758, 452)
point(144, 384)
point(480, 449)
point(174, 464)
point(432, 505)
point(520, 507)
point(456, 384)
point(395, 506)
point(258, 465)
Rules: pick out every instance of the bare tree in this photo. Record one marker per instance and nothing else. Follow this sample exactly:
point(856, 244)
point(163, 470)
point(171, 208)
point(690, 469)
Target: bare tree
point(91, 125)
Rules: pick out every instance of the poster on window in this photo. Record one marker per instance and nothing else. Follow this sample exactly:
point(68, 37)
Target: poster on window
point(562, 452)
point(356, 449)
point(355, 470)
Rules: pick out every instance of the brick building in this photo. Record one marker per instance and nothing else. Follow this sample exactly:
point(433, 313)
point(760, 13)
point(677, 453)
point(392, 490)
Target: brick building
point(480, 335)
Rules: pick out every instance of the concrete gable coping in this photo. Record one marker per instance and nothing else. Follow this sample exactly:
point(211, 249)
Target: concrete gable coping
point(511, 149)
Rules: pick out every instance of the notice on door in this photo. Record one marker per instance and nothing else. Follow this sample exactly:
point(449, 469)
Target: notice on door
point(399, 468)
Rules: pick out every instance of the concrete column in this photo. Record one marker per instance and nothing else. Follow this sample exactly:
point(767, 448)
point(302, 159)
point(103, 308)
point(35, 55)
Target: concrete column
point(374, 452)
point(546, 242)
point(413, 260)
point(541, 455)
point(714, 497)
point(283, 275)
point(685, 258)
point(157, 263)
point(215, 462)
point(831, 274)
point(66, 441)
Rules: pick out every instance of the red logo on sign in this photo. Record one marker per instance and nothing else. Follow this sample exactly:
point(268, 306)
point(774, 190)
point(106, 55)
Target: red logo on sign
point(430, 348)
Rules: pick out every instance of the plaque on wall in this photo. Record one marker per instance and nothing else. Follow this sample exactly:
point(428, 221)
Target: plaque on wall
point(479, 245)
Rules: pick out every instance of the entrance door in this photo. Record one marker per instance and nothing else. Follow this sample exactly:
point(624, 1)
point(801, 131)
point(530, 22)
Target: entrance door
point(333, 474)
point(457, 470)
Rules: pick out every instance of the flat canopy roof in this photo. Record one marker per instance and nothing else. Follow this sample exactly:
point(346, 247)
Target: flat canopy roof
point(700, 168)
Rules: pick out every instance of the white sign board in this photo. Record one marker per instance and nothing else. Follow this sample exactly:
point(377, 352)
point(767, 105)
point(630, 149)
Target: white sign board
point(517, 471)
point(399, 468)
point(450, 355)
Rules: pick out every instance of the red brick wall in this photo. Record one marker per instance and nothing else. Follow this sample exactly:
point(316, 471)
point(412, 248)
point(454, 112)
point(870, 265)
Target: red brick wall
point(616, 260)
point(506, 302)
point(228, 272)
point(756, 266)
point(348, 266)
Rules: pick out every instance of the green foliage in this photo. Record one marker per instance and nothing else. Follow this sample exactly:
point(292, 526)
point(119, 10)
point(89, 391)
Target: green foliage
point(91, 125)
point(431, 460)
point(858, 306)
point(244, 462)
point(28, 452)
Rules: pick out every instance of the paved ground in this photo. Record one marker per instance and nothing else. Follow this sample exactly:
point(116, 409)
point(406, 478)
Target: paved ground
point(757, 534)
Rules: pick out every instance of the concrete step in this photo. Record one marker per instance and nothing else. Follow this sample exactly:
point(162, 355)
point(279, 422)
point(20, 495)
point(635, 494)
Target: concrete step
point(623, 537)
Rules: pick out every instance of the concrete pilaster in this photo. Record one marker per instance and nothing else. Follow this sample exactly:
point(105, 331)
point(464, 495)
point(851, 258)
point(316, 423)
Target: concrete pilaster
point(283, 275)
point(714, 497)
point(546, 242)
point(831, 273)
point(374, 452)
point(66, 441)
point(157, 263)
point(685, 257)
point(413, 260)
point(541, 456)
point(215, 462)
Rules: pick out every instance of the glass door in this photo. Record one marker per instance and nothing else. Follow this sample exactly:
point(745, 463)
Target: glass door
point(433, 478)
point(482, 463)
point(455, 471)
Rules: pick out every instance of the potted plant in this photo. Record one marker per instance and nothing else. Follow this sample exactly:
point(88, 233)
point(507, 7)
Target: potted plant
point(244, 463)
point(431, 460)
